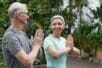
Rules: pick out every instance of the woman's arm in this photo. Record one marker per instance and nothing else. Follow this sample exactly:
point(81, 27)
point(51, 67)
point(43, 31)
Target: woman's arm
point(57, 53)
point(75, 51)
point(70, 42)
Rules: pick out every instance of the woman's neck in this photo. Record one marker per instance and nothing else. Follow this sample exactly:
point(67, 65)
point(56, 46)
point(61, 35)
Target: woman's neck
point(56, 36)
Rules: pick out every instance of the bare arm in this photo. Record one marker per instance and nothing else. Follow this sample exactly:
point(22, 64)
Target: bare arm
point(28, 59)
point(75, 51)
point(70, 41)
point(57, 53)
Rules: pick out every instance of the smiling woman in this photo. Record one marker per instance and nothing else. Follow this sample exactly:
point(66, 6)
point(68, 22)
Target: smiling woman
point(56, 47)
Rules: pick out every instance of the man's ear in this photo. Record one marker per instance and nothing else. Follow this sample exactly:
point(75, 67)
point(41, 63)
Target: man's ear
point(17, 15)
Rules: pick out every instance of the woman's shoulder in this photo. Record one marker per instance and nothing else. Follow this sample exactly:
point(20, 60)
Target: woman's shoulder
point(48, 37)
point(62, 38)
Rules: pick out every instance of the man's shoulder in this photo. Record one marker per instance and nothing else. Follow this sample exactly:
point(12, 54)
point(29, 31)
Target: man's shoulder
point(9, 34)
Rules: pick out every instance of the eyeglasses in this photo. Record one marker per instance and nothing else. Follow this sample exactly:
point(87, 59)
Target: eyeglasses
point(24, 13)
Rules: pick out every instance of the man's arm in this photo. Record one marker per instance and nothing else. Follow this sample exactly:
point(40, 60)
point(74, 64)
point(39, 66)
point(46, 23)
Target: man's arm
point(28, 59)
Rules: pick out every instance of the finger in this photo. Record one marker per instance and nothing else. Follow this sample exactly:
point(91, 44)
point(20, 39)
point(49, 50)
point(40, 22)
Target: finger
point(31, 37)
point(36, 33)
point(40, 34)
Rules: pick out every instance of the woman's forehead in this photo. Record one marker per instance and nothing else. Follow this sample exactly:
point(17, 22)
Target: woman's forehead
point(57, 17)
point(57, 21)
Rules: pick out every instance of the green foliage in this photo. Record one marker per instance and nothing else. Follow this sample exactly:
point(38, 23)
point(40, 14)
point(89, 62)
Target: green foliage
point(96, 40)
point(37, 62)
point(87, 38)
point(98, 13)
point(1, 61)
point(3, 16)
point(40, 12)
point(1, 65)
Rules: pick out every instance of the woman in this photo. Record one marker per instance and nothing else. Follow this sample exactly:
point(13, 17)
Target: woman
point(56, 48)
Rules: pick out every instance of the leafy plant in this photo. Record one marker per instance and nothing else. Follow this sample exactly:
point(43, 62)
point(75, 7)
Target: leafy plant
point(1, 65)
point(87, 38)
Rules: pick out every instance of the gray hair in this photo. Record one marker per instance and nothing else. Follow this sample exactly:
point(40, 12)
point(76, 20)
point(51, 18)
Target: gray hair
point(57, 17)
point(16, 7)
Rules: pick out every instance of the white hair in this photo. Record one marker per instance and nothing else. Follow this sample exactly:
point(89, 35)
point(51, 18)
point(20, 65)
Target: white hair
point(16, 7)
point(58, 17)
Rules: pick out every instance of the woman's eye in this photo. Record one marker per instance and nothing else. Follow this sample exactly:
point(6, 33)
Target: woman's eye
point(59, 23)
point(54, 24)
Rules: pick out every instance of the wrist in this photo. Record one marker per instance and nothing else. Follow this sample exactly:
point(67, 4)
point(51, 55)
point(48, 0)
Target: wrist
point(37, 46)
point(72, 49)
point(69, 49)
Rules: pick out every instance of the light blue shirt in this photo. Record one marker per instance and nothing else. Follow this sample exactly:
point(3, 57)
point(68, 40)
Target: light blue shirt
point(58, 44)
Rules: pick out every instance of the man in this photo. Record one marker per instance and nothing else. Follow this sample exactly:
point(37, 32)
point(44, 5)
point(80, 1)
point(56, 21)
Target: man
point(19, 51)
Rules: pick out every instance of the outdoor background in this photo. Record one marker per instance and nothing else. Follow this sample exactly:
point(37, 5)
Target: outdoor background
point(83, 19)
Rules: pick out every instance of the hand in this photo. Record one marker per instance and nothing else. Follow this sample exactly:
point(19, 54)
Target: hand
point(38, 38)
point(70, 41)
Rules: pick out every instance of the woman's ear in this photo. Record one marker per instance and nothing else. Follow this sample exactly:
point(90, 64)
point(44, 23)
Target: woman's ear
point(63, 26)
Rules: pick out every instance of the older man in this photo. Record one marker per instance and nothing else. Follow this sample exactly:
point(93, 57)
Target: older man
point(19, 51)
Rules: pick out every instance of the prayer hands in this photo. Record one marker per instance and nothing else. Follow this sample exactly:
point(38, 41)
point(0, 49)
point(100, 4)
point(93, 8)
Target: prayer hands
point(70, 41)
point(38, 38)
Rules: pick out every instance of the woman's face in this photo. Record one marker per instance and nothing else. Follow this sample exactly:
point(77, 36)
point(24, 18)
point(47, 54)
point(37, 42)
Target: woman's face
point(57, 26)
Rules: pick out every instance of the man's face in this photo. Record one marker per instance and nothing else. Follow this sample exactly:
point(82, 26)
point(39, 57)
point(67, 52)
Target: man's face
point(23, 17)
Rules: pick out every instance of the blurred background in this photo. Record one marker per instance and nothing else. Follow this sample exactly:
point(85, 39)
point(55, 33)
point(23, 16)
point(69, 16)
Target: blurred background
point(83, 19)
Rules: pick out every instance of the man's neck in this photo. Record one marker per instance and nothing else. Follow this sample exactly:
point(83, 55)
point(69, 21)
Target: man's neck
point(16, 26)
